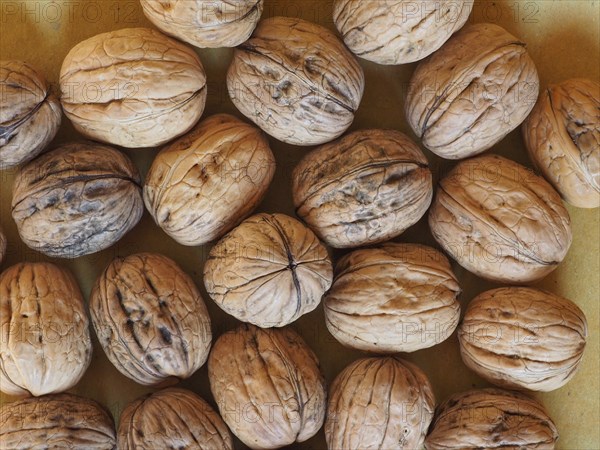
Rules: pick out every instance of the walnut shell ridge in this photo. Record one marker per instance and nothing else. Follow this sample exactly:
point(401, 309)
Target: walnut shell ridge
point(268, 386)
point(207, 182)
point(30, 115)
point(393, 298)
point(297, 81)
point(46, 345)
point(172, 419)
point(59, 421)
point(133, 87)
point(472, 92)
point(3, 245)
point(364, 188)
point(562, 135)
point(379, 403)
point(491, 418)
point(77, 199)
point(398, 31)
point(268, 271)
point(205, 23)
point(150, 319)
point(500, 221)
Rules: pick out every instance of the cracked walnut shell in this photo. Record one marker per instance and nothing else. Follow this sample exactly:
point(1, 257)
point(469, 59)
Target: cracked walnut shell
point(46, 346)
point(150, 319)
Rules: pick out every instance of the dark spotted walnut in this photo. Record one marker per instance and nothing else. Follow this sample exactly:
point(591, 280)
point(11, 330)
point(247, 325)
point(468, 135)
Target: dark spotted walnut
point(133, 87)
point(297, 81)
point(500, 221)
point(2, 245)
point(30, 115)
point(77, 199)
point(172, 419)
point(268, 271)
point(562, 135)
point(365, 188)
point(44, 333)
point(472, 92)
point(491, 418)
point(150, 319)
point(379, 403)
point(268, 386)
point(207, 182)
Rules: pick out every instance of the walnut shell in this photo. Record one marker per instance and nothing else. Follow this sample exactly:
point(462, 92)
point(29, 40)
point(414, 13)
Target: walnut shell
point(562, 135)
point(491, 418)
point(2, 245)
point(133, 87)
point(523, 338)
point(472, 92)
point(268, 271)
point(207, 182)
point(61, 421)
point(398, 31)
point(150, 319)
point(205, 23)
point(500, 221)
point(268, 386)
point(394, 298)
point(46, 346)
point(379, 403)
point(297, 81)
point(172, 419)
point(77, 199)
point(365, 188)
point(30, 115)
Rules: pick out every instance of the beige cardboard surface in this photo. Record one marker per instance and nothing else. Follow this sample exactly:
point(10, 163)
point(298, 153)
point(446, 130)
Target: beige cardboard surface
point(563, 39)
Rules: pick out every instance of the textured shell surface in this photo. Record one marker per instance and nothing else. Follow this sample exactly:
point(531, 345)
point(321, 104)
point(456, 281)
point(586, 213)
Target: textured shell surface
point(379, 403)
point(133, 87)
point(3, 245)
point(150, 319)
point(208, 181)
point(268, 271)
point(398, 31)
point(500, 221)
point(77, 199)
point(46, 346)
point(297, 81)
point(172, 419)
point(491, 418)
point(30, 115)
point(471, 93)
point(364, 188)
point(274, 378)
point(392, 298)
point(562, 135)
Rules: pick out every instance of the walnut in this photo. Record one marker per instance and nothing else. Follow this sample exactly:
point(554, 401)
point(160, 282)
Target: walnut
point(60, 421)
point(46, 346)
point(133, 87)
point(268, 271)
point(150, 319)
point(491, 418)
point(500, 221)
point(398, 31)
point(365, 188)
point(384, 403)
point(297, 81)
point(205, 23)
point(77, 199)
point(30, 115)
point(172, 419)
point(393, 298)
point(472, 92)
point(204, 184)
point(523, 338)
point(562, 135)
point(2, 245)
point(268, 386)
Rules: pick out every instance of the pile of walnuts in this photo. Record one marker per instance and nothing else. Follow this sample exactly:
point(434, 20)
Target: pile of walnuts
point(301, 84)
